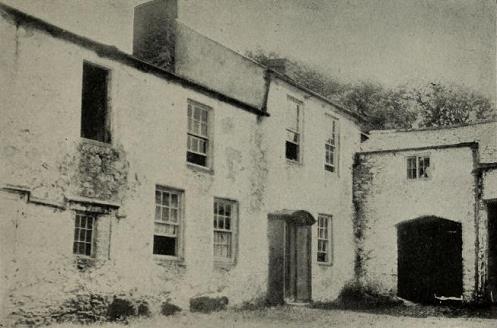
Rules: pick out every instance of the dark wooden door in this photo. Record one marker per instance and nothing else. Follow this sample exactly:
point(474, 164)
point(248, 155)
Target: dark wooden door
point(429, 259)
point(297, 263)
point(492, 251)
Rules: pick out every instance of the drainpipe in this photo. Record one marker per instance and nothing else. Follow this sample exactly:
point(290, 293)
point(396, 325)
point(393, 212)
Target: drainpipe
point(267, 84)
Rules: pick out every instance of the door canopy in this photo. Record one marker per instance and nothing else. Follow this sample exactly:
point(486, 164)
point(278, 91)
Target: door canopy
point(299, 217)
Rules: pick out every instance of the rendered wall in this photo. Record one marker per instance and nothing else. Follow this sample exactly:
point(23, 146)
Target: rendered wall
point(210, 63)
point(485, 134)
point(47, 164)
point(308, 186)
point(43, 152)
point(384, 197)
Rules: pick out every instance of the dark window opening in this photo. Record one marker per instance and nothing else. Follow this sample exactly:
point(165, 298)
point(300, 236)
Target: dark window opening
point(292, 151)
point(164, 245)
point(322, 257)
point(196, 158)
point(330, 168)
point(94, 103)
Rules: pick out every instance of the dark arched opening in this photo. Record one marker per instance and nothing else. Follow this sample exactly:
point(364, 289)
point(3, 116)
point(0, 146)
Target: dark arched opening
point(429, 259)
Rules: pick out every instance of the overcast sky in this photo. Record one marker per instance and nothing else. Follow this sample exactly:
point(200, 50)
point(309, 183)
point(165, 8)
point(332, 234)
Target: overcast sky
point(391, 41)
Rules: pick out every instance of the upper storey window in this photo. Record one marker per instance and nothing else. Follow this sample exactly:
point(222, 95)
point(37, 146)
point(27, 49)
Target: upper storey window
point(331, 145)
point(95, 122)
point(293, 130)
point(418, 167)
point(198, 134)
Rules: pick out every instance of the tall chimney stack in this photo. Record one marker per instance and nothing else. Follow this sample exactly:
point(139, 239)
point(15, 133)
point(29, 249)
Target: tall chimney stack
point(154, 32)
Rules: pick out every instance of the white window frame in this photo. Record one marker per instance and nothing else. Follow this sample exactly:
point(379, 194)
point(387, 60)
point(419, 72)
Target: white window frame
point(324, 236)
point(177, 225)
point(418, 159)
point(232, 231)
point(80, 231)
point(194, 137)
point(296, 133)
point(332, 146)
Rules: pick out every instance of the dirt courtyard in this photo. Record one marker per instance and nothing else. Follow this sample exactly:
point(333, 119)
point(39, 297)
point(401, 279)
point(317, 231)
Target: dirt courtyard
point(287, 316)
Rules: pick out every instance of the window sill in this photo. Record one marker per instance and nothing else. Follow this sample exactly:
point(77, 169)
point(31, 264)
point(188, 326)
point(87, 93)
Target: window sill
point(325, 264)
point(199, 168)
point(418, 179)
point(96, 142)
point(291, 162)
point(224, 264)
point(84, 262)
point(169, 259)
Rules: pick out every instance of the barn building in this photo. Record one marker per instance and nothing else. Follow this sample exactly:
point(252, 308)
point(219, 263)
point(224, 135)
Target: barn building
point(186, 169)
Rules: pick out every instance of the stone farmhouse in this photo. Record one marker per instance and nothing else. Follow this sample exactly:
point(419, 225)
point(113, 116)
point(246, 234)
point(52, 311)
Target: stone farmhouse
point(187, 170)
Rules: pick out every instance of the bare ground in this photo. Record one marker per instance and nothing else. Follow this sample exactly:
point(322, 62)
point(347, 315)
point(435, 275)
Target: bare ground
point(287, 316)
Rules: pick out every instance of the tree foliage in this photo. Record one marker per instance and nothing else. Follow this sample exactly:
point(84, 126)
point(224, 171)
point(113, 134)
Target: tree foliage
point(432, 105)
point(309, 77)
point(383, 108)
point(443, 105)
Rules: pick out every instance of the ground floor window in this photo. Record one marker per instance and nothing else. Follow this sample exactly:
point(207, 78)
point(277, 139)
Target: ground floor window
point(167, 221)
point(324, 253)
point(225, 223)
point(84, 234)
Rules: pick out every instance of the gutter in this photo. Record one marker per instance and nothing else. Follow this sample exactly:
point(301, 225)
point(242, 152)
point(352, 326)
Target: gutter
point(472, 145)
point(355, 116)
point(111, 52)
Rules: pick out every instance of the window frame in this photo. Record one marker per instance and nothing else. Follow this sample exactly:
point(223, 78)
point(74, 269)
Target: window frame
point(92, 243)
point(226, 261)
point(108, 133)
point(329, 239)
point(298, 132)
point(180, 222)
point(207, 137)
point(416, 169)
point(336, 145)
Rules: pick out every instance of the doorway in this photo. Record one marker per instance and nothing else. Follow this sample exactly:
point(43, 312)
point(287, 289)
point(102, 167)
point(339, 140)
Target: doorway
point(289, 235)
point(297, 263)
point(492, 251)
point(429, 259)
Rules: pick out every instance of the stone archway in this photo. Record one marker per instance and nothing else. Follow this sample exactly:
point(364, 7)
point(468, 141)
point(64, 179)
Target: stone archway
point(429, 259)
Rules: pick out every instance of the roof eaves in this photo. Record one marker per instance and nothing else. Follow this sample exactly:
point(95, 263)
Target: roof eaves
point(472, 145)
point(356, 116)
point(114, 53)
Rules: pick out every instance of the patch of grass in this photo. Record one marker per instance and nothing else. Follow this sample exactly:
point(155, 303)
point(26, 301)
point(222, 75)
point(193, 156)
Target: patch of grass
point(356, 298)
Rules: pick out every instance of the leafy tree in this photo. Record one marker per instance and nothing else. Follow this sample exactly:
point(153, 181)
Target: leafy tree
point(443, 105)
point(434, 105)
point(383, 108)
point(305, 75)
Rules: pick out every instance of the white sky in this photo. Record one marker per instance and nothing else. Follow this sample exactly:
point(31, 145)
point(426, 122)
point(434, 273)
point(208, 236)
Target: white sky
point(391, 41)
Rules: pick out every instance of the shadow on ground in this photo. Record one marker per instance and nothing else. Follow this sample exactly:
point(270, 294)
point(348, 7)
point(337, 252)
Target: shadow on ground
point(375, 304)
